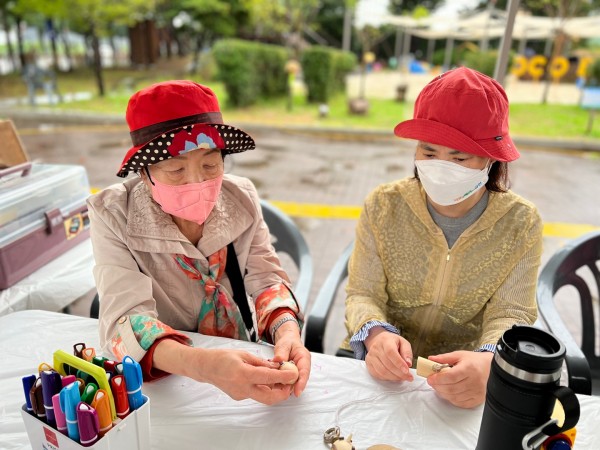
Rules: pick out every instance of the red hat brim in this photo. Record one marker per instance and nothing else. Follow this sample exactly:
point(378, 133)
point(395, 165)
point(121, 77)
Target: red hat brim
point(500, 148)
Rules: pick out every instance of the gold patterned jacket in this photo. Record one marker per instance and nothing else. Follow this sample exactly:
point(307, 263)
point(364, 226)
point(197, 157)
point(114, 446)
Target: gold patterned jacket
point(402, 272)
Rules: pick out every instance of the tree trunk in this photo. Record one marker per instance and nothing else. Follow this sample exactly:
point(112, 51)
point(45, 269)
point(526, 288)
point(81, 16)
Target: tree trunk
point(347, 33)
point(180, 46)
point(9, 46)
point(196, 57)
point(52, 31)
point(64, 36)
point(22, 58)
point(557, 51)
point(41, 41)
point(168, 38)
point(97, 62)
point(113, 45)
point(144, 43)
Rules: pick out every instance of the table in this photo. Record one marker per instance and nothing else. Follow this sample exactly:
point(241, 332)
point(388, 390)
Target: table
point(55, 285)
point(190, 415)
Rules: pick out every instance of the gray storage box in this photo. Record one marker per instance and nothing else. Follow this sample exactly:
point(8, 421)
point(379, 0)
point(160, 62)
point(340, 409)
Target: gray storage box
point(43, 213)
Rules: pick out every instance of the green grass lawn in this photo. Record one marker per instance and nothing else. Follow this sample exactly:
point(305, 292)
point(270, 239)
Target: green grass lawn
point(527, 120)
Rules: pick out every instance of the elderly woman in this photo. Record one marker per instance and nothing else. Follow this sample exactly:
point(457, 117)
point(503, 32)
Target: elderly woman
point(185, 247)
point(446, 261)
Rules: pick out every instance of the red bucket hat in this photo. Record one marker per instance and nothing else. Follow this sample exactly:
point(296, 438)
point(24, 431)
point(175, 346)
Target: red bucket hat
point(465, 110)
point(174, 117)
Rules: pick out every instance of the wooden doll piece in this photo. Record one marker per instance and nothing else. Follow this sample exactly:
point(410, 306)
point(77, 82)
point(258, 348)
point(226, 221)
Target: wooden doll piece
point(345, 444)
point(289, 365)
point(426, 367)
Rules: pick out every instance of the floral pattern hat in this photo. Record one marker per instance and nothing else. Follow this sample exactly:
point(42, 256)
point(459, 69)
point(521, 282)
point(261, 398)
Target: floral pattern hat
point(175, 117)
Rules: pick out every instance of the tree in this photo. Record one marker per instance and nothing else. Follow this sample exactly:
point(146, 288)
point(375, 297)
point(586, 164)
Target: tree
point(402, 7)
point(40, 12)
point(329, 22)
point(5, 11)
point(282, 21)
point(94, 18)
point(215, 19)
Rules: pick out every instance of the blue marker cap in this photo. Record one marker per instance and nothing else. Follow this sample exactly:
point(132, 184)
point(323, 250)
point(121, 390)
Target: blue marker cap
point(132, 371)
point(28, 382)
point(69, 399)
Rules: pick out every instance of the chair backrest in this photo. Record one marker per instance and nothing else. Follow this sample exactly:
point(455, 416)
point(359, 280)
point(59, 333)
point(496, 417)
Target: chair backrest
point(316, 320)
point(288, 239)
point(563, 269)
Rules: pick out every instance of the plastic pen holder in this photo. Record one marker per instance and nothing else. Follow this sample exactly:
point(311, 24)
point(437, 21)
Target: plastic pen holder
point(131, 433)
point(61, 357)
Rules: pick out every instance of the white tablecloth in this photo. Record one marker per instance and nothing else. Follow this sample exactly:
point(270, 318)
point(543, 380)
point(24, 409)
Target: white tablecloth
point(55, 285)
point(190, 415)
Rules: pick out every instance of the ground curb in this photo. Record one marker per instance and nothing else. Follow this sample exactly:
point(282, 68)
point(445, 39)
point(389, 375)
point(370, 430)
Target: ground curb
point(335, 133)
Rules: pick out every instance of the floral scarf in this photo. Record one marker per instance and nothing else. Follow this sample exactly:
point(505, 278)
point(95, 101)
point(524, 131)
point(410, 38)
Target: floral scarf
point(219, 316)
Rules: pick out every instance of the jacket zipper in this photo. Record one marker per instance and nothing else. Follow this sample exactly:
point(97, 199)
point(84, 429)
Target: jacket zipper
point(429, 316)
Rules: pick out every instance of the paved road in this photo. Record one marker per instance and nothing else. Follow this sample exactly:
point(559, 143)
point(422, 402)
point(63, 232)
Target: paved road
point(299, 168)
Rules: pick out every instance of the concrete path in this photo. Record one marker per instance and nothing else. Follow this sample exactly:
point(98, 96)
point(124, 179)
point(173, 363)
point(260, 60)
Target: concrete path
point(383, 85)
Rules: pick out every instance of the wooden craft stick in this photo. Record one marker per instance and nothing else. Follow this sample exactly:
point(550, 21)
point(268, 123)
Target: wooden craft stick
point(426, 367)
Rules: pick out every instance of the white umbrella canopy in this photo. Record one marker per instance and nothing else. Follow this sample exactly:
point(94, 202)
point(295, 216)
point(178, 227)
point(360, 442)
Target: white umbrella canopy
point(583, 27)
point(410, 22)
point(491, 23)
point(459, 35)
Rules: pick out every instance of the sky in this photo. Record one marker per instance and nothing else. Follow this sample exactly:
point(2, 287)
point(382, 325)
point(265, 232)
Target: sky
point(373, 11)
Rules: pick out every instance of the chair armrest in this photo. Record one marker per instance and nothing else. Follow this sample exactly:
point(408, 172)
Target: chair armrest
point(316, 320)
point(578, 368)
point(289, 240)
point(305, 275)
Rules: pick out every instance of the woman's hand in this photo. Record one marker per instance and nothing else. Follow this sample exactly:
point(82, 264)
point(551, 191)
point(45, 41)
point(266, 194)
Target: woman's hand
point(465, 384)
point(389, 356)
point(289, 347)
point(237, 373)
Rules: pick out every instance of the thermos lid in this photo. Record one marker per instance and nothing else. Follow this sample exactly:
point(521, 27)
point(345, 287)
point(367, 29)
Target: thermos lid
point(531, 349)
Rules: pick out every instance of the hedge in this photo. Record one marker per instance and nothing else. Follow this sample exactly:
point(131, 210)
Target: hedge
point(325, 71)
point(485, 62)
point(250, 70)
point(593, 74)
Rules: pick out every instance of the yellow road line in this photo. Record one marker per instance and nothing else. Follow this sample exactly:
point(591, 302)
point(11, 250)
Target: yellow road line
point(551, 229)
point(567, 230)
point(318, 211)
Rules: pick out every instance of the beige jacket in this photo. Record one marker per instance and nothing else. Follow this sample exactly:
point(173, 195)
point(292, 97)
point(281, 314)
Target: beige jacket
point(134, 242)
point(402, 272)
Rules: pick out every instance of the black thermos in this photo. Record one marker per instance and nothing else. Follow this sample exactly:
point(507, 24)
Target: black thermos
point(522, 389)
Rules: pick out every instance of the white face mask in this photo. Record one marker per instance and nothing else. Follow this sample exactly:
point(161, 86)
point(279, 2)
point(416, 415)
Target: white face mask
point(447, 183)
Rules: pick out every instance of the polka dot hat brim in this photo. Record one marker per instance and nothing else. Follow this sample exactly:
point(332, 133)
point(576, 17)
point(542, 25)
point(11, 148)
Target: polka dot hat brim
point(185, 139)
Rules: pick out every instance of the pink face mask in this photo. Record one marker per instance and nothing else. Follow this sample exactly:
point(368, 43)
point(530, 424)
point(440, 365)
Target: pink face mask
point(192, 202)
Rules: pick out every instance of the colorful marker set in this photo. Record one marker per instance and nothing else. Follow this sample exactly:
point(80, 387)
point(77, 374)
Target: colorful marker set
point(84, 396)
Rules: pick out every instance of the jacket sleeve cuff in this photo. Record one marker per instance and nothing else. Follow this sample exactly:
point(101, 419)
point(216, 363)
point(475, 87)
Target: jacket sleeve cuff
point(271, 301)
point(357, 342)
point(486, 348)
point(136, 334)
point(149, 372)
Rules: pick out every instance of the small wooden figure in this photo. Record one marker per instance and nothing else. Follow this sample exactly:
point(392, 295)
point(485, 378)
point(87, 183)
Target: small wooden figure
point(426, 367)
